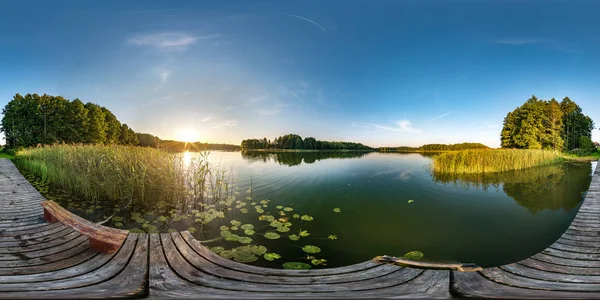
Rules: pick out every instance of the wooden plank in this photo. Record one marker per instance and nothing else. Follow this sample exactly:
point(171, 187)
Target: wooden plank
point(42, 237)
point(25, 234)
point(26, 249)
point(65, 251)
point(548, 275)
point(562, 269)
point(500, 276)
point(210, 268)
point(566, 261)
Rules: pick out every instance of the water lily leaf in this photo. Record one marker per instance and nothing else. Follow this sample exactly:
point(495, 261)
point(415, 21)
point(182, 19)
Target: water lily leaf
point(248, 198)
point(337, 210)
point(162, 219)
point(272, 235)
point(191, 230)
point(264, 205)
point(279, 207)
point(249, 231)
point(332, 237)
point(271, 256)
point(225, 233)
point(226, 254)
point(245, 257)
point(234, 228)
point(411, 201)
point(118, 224)
point(287, 224)
point(247, 226)
point(281, 213)
point(296, 216)
point(217, 249)
point(259, 250)
point(253, 203)
point(276, 224)
point(244, 210)
point(235, 223)
point(311, 249)
point(270, 218)
point(296, 266)
point(117, 219)
point(304, 233)
point(317, 262)
point(306, 218)
point(171, 230)
point(224, 228)
point(244, 240)
point(288, 209)
point(232, 237)
point(260, 210)
point(283, 229)
point(264, 201)
point(414, 255)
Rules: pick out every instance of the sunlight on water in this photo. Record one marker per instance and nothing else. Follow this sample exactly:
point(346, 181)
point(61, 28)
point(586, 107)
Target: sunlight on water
point(187, 159)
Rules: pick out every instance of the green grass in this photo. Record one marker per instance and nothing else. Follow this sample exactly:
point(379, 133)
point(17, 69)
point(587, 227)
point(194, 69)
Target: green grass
point(492, 160)
point(4, 154)
point(592, 157)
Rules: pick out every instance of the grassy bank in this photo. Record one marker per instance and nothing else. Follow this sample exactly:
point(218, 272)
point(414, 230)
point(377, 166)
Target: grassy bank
point(492, 160)
point(4, 154)
point(592, 157)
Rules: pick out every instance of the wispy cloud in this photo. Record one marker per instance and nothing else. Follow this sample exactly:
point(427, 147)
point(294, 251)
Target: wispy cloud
point(168, 41)
point(208, 118)
point(521, 42)
point(306, 19)
point(149, 11)
point(163, 75)
point(228, 123)
point(441, 116)
point(401, 126)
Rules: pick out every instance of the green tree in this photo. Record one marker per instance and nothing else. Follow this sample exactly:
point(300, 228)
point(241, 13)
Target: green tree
point(113, 127)
point(96, 129)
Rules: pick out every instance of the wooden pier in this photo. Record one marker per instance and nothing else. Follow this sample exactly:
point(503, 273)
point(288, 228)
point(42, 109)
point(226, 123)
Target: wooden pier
point(52, 260)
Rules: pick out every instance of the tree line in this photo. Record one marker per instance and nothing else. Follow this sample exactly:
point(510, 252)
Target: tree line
point(44, 119)
point(294, 141)
point(435, 147)
point(551, 125)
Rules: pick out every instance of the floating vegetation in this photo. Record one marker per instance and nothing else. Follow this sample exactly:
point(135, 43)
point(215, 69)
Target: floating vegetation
point(296, 266)
point(317, 262)
point(288, 209)
point(225, 233)
point(306, 218)
point(332, 237)
point(244, 240)
point(303, 233)
point(217, 249)
point(271, 256)
point(411, 201)
point(283, 229)
point(414, 255)
point(279, 207)
point(272, 235)
point(293, 237)
point(311, 249)
point(296, 216)
point(249, 232)
point(337, 210)
point(232, 237)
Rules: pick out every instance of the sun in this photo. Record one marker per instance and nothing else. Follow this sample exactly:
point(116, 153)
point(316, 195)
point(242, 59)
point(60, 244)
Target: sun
point(187, 135)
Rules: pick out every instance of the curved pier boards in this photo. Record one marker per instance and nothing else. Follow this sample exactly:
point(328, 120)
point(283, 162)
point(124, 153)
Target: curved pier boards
point(51, 260)
point(569, 268)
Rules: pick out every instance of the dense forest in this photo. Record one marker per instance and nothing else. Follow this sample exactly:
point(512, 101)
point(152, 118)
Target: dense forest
point(34, 119)
point(294, 141)
point(435, 147)
point(44, 119)
point(552, 125)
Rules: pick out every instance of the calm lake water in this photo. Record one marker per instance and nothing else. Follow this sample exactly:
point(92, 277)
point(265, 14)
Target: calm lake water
point(487, 220)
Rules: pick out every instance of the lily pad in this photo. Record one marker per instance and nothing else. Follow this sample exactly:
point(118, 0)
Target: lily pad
point(272, 235)
point(271, 256)
point(245, 257)
point(244, 210)
point(217, 249)
point(224, 228)
point(191, 230)
point(304, 233)
point(226, 254)
point(332, 237)
point(306, 218)
point(225, 233)
point(288, 209)
point(311, 249)
point(293, 237)
point(264, 201)
point(296, 216)
point(232, 237)
point(283, 229)
point(247, 226)
point(279, 207)
point(411, 201)
point(270, 218)
point(317, 262)
point(235, 223)
point(414, 255)
point(337, 210)
point(296, 266)
point(249, 232)
point(244, 240)
point(118, 224)
point(259, 250)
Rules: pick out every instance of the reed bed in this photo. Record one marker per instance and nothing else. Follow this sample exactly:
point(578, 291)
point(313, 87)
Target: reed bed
point(130, 177)
point(492, 160)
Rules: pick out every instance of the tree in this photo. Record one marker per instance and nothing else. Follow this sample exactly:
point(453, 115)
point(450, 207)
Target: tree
point(113, 127)
point(76, 121)
point(96, 129)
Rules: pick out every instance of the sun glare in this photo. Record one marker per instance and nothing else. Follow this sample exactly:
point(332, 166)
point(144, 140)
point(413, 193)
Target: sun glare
point(187, 135)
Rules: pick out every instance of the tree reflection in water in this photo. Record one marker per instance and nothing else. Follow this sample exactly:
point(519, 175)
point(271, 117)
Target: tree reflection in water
point(296, 158)
point(549, 187)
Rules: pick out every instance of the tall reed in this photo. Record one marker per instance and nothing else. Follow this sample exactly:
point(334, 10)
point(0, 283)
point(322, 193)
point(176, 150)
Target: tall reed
point(136, 178)
point(492, 160)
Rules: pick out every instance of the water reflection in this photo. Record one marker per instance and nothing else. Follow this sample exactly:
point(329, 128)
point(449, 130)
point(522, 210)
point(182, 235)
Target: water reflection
point(550, 187)
point(296, 158)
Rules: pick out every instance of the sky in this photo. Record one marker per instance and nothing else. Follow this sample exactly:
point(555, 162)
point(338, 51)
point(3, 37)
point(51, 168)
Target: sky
point(383, 73)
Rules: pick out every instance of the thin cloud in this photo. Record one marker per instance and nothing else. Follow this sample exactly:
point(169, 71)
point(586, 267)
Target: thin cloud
point(300, 99)
point(269, 112)
point(401, 126)
point(164, 77)
point(168, 41)
point(306, 19)
point(206, 119)
point(441, 116)
point(521, 42)
point(228, 123)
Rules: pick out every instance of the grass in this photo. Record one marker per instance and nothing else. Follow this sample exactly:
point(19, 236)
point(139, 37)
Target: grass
point(492, 160)
point(4, 154)
point(592, 157)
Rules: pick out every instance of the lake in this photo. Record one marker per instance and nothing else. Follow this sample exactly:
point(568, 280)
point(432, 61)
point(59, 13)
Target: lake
point(488, 220)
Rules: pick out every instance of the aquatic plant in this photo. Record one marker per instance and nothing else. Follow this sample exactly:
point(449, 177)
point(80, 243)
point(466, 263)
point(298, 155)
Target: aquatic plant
point(337, 210)
point(311, 249)
point(414, 255)
point(492, 160)
point(296, 265)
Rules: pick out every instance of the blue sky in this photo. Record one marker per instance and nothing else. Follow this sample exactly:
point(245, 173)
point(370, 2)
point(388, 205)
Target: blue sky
point(384, 73)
